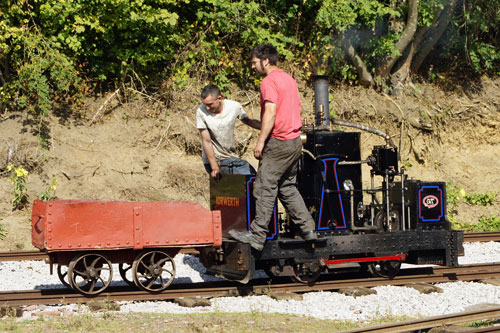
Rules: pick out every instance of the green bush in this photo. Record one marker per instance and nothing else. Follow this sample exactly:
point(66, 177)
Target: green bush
point(53, 51)
point(45, 76)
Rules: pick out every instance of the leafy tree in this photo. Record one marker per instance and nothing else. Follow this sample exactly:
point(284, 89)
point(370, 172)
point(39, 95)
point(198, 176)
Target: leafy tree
point(478, 31)
point(374, 35)
point(107, 36)
point(50, 50)
point(388, 40)
point(33, 73)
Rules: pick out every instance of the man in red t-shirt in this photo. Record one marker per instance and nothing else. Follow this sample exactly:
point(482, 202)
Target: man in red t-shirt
point(278, 150)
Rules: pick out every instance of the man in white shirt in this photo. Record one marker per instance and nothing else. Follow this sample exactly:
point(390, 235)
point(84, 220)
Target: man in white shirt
point(215, 119)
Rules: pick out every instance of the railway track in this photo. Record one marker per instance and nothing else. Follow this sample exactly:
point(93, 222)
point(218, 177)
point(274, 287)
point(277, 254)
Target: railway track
point(437, 321)
point(259, 287)
point(37, 255)
point(489, 236)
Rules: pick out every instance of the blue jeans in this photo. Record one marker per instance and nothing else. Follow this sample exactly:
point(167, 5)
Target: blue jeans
point(235, 166)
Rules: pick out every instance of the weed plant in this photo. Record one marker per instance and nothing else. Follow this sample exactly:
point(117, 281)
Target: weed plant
point(19, 180)
point(491, 223)
point(50, 192)
point(3, 231)
point(456, 195)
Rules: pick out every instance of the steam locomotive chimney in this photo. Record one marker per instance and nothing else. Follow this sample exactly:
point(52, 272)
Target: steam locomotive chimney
point(321, 101)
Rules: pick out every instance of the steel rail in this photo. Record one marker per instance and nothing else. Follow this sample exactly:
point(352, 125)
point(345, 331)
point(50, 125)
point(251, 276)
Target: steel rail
point(23, 255)
point(489, 236)
point(261, 286)
point(436, 321)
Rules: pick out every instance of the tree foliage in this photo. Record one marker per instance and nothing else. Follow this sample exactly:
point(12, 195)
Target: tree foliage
point(107, 35)
point(53, 51)
point(390, 40)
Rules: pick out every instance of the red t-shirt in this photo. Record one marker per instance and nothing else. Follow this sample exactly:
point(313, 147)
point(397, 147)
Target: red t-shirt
point(281, 89)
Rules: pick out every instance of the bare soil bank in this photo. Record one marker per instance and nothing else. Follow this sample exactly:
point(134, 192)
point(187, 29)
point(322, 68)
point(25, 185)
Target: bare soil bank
point(143, 150)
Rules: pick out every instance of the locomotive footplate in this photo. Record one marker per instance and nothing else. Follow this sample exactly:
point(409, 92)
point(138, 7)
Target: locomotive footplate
point(284, 242)
point(433, 247)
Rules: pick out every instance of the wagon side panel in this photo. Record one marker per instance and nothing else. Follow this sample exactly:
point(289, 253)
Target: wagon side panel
point(179, 224)
point(78, 225)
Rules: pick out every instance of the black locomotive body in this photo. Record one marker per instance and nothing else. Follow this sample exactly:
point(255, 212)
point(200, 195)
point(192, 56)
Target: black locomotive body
point(393, 220)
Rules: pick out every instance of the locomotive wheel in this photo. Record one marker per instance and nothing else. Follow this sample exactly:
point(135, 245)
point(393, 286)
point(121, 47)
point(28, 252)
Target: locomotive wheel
point(386, 269)
point(125, 270)
point(302, 274)
point(381, 221)
point(153, 271)
point(90, 274)
point(62, 273)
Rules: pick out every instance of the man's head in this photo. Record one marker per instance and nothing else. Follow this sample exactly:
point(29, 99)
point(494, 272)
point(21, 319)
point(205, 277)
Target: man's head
point(212, 98)
point(263, 57)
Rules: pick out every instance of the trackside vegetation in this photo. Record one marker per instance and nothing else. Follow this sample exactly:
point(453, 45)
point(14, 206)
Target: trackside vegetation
point(53, 52)
point(109, 321)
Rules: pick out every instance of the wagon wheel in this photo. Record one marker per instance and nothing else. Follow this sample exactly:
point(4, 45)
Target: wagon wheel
point(153, 271)
point(125, 270)
point(386, 269)
point(62, 273)
point(302, 274)
point(90, 274)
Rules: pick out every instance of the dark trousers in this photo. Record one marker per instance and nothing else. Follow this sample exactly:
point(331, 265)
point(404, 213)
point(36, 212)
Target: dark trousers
point(277, 178)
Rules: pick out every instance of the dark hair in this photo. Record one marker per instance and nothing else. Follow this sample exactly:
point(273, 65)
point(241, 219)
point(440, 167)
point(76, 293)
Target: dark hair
point(266, 51)
point(210, 90)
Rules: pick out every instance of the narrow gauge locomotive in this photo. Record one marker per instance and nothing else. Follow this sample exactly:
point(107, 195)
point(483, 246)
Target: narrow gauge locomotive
point(375, 227)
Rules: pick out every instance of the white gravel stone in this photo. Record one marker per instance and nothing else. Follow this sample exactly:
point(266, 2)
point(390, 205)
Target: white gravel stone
point(389, 300)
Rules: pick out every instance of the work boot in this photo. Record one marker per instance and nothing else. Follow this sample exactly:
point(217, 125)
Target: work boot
point(246, 237)
point(309, 235)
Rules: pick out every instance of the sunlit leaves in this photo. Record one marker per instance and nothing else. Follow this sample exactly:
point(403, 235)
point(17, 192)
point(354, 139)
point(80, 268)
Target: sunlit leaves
point(341, 14)
point(429, 10)
point(169, 42)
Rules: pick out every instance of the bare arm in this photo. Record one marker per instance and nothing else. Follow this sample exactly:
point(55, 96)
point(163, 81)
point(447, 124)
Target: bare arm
point(254, 123)
point(206, 142)
point(267, 124)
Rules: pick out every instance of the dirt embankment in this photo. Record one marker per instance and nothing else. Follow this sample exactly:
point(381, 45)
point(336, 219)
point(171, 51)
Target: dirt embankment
point(144, 150)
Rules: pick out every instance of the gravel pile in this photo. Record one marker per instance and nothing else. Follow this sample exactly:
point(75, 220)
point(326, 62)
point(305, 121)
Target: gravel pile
point(389, 300)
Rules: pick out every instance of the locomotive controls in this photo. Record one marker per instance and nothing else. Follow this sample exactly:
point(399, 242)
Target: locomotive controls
point(384, 160)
